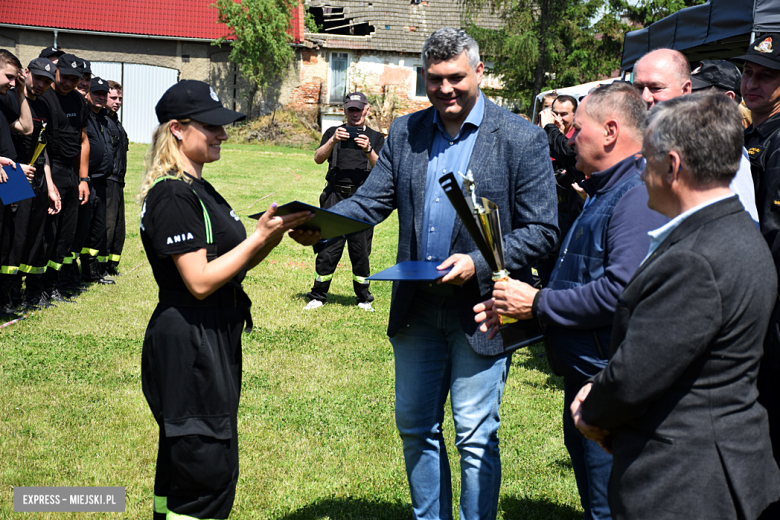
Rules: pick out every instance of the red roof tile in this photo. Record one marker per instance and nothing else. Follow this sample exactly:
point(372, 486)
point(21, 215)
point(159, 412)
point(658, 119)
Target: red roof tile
point(170, 18)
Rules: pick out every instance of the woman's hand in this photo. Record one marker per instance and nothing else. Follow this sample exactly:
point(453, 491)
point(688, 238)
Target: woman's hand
point(271, 229)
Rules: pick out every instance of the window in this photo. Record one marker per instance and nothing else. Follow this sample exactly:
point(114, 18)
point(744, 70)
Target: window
point(339, 61)
point(419, 89)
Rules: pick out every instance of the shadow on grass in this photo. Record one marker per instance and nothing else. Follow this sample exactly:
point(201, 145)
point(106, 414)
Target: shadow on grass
point(536, 509)
point(538, 361)
point(334, 299)
point(352, 509)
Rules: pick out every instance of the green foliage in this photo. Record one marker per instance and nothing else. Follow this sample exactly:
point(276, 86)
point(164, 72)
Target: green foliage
point(645, 12)
point(258, 38)
point(311, 24)
point(547, 44)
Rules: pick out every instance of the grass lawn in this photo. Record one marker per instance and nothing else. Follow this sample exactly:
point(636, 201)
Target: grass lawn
point(316, 428)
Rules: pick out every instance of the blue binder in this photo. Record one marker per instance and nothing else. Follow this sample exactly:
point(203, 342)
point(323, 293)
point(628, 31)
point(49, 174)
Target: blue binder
point(17, 187)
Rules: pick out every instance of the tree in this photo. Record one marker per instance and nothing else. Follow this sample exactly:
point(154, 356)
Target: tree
point(259, 41)
point(547, 44)
point(645, 12)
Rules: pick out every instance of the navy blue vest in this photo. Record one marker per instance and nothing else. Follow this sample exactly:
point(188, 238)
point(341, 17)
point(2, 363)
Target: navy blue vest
point(580, 354)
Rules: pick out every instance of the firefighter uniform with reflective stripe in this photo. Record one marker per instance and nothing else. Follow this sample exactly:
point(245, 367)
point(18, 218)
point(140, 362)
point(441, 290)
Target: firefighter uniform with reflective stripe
point(347, 171)
point(191, 361)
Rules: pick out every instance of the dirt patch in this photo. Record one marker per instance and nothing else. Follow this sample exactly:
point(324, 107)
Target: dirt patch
point(284, 128)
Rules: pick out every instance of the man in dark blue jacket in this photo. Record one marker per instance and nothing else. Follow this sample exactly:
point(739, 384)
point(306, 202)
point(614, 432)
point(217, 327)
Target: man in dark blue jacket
point(601, 252)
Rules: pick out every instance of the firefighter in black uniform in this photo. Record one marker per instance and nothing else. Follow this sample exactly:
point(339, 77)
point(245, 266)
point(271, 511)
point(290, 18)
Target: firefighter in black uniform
point(115, 193)
point(94, 253)
point(351, 151)
point(199, 254)
point(27, 247)
point(760, 90)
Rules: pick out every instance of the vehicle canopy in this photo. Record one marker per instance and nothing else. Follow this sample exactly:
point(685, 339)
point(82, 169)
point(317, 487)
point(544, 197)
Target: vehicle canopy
point(715, 30)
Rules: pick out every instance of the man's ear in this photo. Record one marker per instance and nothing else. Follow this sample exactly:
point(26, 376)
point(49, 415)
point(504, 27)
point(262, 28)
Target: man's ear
point(675, 165)
point(611, 132)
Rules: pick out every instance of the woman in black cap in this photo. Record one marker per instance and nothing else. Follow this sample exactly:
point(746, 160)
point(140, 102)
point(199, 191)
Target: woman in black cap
point(199, 253)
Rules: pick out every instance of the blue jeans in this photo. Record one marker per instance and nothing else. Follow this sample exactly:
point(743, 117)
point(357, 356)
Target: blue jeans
point(433, 358)
point(592, 465)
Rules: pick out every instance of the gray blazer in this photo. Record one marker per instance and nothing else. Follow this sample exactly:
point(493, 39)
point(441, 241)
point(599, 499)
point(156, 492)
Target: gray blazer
point(511, 166)
point(679, 392)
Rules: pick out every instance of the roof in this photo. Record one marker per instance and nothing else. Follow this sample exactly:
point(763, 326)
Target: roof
point(398, 25)
point(170, 18)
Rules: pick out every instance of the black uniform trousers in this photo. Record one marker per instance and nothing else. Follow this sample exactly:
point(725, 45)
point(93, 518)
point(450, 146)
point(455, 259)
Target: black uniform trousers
point(96, 235)
point(191, 378)
point(30, 222)
point(61, 228)
point(115, 220)
point(359, 246)
point(23, 236)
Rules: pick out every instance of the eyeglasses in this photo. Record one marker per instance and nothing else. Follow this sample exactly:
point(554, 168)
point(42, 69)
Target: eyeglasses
point(639, 163)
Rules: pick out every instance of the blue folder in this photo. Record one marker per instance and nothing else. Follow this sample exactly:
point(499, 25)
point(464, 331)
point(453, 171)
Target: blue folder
point(17, 187)
point(410, 270)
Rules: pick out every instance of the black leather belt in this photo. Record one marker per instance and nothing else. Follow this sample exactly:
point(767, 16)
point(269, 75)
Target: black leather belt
point(226, 296)
point(344, 189)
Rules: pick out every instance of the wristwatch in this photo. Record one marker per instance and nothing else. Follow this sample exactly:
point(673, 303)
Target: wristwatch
point(86, 179)
point(368, 151)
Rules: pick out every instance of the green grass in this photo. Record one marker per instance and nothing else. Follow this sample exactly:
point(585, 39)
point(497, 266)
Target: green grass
point(316, 428)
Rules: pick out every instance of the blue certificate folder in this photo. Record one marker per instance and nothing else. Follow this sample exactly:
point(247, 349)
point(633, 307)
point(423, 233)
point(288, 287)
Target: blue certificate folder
point(410, 270)
point(329, 224)
point(17, 187)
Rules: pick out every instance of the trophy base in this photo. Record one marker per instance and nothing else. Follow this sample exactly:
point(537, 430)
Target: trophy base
point(521, 334)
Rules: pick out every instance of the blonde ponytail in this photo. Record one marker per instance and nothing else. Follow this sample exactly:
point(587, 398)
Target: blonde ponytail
point(162, 158)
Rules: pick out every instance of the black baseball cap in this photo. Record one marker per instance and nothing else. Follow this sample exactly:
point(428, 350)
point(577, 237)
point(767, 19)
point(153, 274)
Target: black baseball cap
point(764, 51)
point(716, 73)
point(192, 99)
point(86, 67)
point(355, 100)
point(49, 52)
point(69, 65)
point(43, 67)
point(97, 84)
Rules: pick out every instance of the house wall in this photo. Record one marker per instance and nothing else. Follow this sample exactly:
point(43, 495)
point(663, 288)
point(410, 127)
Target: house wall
point(172, 54)
point(388, 78)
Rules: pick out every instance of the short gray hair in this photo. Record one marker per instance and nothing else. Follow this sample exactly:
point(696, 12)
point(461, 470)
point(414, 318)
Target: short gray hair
point(620, 100)
point(448, 43)
point(705, 129)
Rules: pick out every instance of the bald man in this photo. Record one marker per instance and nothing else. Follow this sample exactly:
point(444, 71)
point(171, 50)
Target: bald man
point(662, 74)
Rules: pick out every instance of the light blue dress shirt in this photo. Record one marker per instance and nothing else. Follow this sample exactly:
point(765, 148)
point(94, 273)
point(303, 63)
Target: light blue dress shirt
point(448, 154)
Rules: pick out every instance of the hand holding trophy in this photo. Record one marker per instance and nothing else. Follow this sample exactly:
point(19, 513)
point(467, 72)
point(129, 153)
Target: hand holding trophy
point(481, 219)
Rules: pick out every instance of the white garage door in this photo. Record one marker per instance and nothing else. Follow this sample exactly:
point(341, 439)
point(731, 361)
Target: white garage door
point(143, 86)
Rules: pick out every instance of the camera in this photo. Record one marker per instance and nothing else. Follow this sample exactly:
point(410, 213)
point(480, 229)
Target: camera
point(350, 143)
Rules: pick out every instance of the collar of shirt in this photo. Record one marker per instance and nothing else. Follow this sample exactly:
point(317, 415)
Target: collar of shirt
point(448, 154)
point(764, 129)
point(659, 235)
point(473, 118)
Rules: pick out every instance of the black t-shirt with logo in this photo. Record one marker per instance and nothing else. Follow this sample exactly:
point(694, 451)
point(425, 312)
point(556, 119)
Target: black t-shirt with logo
point(25, 144)
point(352, 164)
point(9, 112)
point(172, 223)
point(72, 112)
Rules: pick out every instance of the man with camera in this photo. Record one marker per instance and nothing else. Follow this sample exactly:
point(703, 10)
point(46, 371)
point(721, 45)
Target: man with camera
point(351, 151)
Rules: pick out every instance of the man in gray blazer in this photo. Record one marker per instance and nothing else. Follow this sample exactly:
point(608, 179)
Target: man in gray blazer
point(437, 347)
point(676, 404)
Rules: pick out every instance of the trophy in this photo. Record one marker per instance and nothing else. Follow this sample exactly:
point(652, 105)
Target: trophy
point(480, 218)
